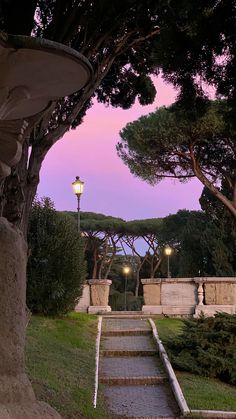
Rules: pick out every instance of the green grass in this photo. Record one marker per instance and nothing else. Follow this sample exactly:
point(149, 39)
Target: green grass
point(168, 327)
point(200, 392)
point(207, 393)
point(60, 358)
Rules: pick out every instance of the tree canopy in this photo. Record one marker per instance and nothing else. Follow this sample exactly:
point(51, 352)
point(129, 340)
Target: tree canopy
point(199, 45)
point(166, 143)
point(126, 42)
point(219, 233)
point(116, 37)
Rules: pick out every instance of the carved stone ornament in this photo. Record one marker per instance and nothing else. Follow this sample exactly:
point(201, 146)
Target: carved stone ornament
point(34, 72)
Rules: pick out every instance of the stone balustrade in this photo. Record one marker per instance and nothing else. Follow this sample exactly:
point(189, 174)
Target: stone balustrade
point(169, 296)
point(189, 296)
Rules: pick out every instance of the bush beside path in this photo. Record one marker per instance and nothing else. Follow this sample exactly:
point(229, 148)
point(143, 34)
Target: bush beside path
point(201, 392)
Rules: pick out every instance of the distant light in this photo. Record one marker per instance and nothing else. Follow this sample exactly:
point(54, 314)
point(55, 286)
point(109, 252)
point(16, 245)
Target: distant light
point(167, 250)
point(78, 186)
point(126, 270)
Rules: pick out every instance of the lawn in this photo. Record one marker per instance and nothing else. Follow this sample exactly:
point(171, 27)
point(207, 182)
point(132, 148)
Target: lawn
point(60, 358)
point(200, 392)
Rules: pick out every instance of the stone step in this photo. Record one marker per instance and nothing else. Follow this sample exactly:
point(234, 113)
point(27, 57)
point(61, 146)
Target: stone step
point(129, 315)
point(113, 324)
point(139, 352)
point(128, 343)
point(131, 367)
point(118, 314)
point(141, 401)
point(124, 381)
point(131, 332)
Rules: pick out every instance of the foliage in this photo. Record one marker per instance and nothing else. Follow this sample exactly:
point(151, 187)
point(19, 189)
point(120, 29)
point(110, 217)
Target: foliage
point(203, 243)
point(220, 233)
point(185, 232)
point(200, 392)
point(117, 301)
point(132, 41)
point(116, 37)
point(56, 268)
point(105, 236)
point(196, 57)
point(60, 361)
point(207, 346)
point(167, 143)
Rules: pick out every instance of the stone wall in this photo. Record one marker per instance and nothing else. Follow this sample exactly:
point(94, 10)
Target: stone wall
point(220, 292)
point(189, 296)
point(169, 296)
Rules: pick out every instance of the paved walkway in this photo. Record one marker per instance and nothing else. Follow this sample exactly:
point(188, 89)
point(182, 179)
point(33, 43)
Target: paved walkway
point(134, 382)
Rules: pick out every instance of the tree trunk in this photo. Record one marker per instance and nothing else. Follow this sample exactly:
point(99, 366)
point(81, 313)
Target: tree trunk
point(1, 196)
point(137, 282)
point(222, 198)
point(109, 267)
point(95, 265)
point(157, 266)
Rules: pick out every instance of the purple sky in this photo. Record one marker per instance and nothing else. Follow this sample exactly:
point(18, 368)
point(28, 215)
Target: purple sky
point(89, 152)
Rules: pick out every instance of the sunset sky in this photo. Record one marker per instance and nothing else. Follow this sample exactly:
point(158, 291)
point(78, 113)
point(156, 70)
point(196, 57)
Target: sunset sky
point(89, 152)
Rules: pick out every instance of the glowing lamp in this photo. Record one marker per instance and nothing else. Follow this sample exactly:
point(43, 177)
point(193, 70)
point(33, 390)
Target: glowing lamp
point(126, 270)
point(78, 186)
point(168, 250)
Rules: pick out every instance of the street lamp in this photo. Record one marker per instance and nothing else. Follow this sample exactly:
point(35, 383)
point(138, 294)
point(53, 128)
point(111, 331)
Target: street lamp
point(168, 252)
point(78, 188)
point(126, 270)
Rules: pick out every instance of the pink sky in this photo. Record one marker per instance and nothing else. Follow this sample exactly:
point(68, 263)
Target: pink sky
point(89, 152)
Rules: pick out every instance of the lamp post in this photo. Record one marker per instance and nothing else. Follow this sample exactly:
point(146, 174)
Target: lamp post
point(78, 188)
point(126, 270)
point(168, 252)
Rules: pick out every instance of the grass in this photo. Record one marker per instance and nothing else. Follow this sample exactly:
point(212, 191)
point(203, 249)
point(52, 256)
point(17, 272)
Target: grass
point(168, 327)
point(207, 393)
point(200, 392)
point(60, 359)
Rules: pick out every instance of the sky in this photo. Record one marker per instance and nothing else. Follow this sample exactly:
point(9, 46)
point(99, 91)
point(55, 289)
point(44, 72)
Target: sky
point(90, 152)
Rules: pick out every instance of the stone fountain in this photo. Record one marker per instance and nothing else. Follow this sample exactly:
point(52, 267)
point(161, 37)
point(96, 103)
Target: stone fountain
point(34, 73)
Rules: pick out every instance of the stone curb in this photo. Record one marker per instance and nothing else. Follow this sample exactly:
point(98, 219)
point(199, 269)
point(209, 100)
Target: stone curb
point(98, 340)
point(220, 414)
point(172, 377)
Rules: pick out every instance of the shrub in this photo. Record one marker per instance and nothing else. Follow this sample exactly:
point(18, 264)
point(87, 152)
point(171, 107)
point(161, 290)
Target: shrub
point(207, 346)
point(117, 301)
point(56, 267)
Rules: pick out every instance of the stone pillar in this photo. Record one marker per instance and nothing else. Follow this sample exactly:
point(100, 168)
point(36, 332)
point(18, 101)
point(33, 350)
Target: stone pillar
point(152, 295)
point(99, 294)
point(84, 301)
point(200, 293)
point(17, 399)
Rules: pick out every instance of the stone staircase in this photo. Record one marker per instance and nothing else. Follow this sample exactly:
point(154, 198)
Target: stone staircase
point(134, 382)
